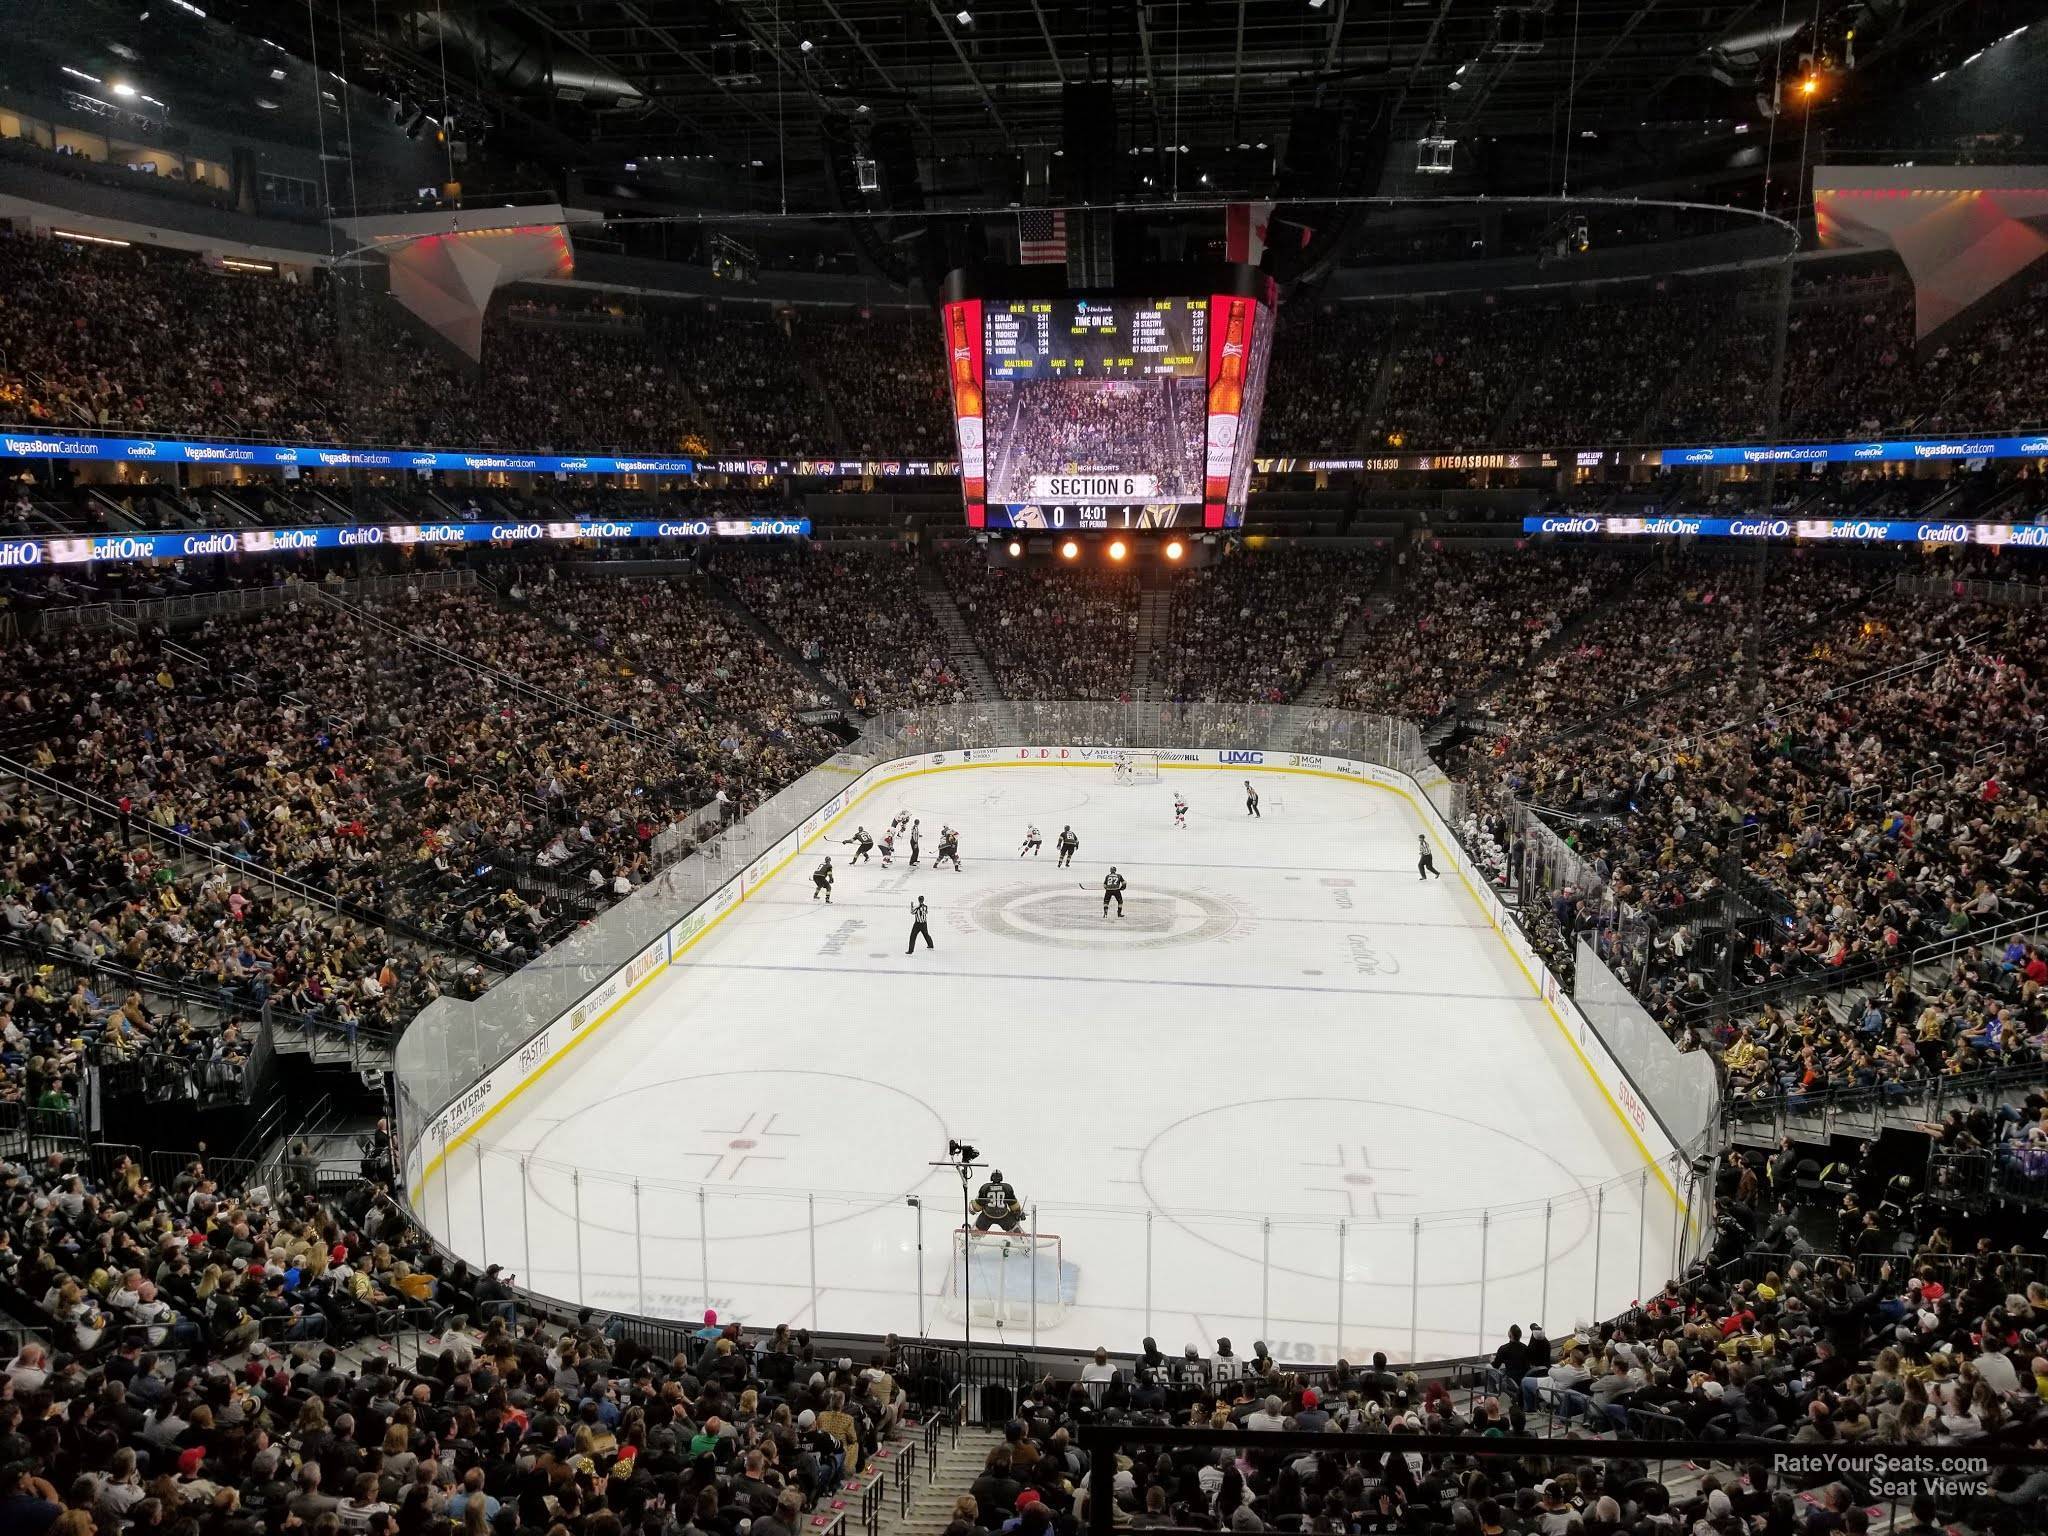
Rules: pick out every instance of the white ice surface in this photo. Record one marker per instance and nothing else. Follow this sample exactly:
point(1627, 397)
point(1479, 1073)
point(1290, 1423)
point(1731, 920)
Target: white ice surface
point(1290, 1048)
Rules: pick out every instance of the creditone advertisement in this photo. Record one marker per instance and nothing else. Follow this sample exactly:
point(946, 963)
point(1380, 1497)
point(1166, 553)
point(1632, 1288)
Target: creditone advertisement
point(464, 1114)
point(1808, 529)
point(35, 443)
point(128, 548)
point(1236, 387)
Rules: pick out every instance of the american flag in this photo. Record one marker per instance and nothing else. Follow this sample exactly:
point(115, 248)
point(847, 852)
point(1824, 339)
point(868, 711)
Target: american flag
point(1042, 237)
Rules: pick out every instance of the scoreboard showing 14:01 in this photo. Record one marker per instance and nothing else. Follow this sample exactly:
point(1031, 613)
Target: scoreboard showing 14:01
point(1107, 411)
point(1095, 339)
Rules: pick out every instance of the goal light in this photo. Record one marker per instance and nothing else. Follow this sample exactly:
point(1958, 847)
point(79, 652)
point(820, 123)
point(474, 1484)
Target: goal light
point(1116, 549)
point(1070, 550)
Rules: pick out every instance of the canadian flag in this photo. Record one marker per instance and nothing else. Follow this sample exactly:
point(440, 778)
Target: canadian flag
point(1244, 231)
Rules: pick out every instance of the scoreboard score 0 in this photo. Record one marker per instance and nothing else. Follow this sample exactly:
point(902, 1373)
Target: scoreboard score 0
point(1082, 412)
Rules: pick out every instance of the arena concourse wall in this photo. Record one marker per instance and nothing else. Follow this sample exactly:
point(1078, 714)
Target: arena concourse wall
point(429, 1143)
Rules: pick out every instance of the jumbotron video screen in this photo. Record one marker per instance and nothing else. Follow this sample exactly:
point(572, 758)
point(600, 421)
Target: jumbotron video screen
point(1107, 412)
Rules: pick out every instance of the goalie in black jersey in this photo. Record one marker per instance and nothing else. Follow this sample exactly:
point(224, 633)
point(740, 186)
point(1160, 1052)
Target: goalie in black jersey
point(1113, 890)
point(821, 881)
point(996, 1204)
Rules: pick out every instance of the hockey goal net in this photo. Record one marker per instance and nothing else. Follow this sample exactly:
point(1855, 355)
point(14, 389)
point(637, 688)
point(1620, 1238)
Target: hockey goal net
point(996, 1279)
point(1135, 768)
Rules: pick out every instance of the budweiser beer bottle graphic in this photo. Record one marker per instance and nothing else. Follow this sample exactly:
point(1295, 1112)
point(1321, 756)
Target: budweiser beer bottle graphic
point(966, 387)
point(1226, 395)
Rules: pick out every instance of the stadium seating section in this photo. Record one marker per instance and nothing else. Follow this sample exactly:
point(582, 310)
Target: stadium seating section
point(158, 341)
point(1797, 795)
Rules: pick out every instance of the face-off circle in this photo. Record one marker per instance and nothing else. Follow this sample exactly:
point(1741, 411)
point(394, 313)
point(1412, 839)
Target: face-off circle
point(748, 1138)
point(1071, 918)
point(1376, 1166)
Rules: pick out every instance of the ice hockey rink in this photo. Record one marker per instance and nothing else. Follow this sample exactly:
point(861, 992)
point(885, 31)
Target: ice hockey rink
point(1295, 1094)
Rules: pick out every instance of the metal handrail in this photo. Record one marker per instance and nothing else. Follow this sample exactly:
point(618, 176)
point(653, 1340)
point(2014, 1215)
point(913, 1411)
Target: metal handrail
point(170, 613)
point(511, 680)
point(1857, 972)
point(263, 874)
point(1932, 1093)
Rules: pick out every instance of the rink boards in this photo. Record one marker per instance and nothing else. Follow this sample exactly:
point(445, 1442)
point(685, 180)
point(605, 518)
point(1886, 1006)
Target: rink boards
point(759, 950)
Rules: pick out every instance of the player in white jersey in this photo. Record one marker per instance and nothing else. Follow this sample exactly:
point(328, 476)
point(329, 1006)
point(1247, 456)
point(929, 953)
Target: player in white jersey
point(1180, 812)
point(1032, 843)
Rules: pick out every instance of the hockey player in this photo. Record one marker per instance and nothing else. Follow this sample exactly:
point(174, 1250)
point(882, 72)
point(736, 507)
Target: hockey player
point(949, 848)
point(1113, 890)
point(1066, 845)
point(860, 843)
point(914, 825)
point(901, 821)
point(887, 847)
point(1180, 812)
point(821, 881)
point(1425, 866)
point(1032, 843)
point(1251, 799)
point(996, 1204)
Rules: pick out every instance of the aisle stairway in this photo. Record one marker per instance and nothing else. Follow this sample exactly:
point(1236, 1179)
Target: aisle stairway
point(727, 596)
point(1155, 630)
point(1322, 686)
point(957, 1465)
point(810, 375)
point(968, 663)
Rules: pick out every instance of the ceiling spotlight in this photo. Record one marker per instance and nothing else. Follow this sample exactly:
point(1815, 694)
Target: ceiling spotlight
point(1070, 550)
point(965, 18)
point(1809, 85)
point(1016, 549)
point(1205, 178)
point(122, 88)
point(805, 46)
point(1316, 5)
point(1174, 550)
point(1117, 550)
